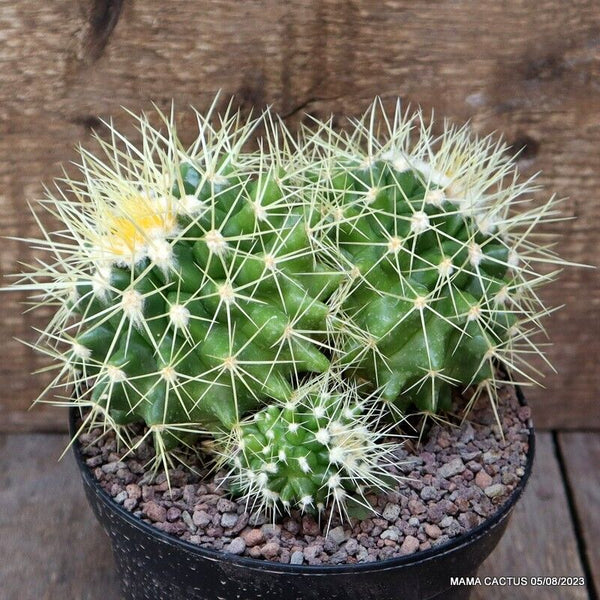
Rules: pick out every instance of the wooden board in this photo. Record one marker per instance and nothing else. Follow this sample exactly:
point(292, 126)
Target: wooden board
point(540, 540)
point(526, 70)
point(52, 547)
point(581, 455)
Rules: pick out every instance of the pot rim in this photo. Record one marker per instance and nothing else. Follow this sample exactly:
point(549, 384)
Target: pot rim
point(267, 565)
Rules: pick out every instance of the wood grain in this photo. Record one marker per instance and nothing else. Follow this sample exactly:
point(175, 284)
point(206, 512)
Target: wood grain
point(540, 539)
point(526, 70)
point(581, 454)
point(52, 547)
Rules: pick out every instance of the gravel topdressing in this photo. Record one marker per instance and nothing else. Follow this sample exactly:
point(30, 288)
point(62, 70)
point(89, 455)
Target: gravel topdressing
point(455, 479)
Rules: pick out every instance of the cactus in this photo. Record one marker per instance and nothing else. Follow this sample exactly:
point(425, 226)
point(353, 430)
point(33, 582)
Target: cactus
point(443, 269)
point(186, 290)
point(271, 298)
point(322, 448)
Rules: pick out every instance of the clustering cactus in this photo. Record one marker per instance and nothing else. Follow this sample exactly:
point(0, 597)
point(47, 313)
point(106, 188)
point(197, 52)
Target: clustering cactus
point(321, 447)
point(272, 298)
point(443, 268)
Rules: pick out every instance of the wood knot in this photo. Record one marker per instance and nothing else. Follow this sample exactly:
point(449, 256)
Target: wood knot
point(101, 17)
point(524, 147)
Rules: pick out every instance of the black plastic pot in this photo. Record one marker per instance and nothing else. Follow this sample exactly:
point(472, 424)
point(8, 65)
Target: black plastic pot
point(153, 565)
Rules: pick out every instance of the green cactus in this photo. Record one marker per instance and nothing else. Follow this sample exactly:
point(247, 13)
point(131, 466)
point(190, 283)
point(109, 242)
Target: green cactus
point(192, 286)
point(442, 270)
point(187, 289)
point(322, 448)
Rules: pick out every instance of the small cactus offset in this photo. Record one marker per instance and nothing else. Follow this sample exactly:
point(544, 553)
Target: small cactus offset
point(323, 447)
point(186, 290)
point(438, 238)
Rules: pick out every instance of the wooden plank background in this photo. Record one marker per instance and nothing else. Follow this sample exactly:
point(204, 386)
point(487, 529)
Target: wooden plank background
point(528, 70)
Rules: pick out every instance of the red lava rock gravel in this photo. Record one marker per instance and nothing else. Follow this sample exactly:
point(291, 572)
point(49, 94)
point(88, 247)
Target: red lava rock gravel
point(455, 479)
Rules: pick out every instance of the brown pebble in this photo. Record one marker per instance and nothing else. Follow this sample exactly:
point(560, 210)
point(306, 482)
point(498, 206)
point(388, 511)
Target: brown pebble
point(135, 467)
point(253, 537)
point(173, 514)
point(474, 466)
point(311, 552)
point(291, 525)
point(237, 546)
point(409, 545)
point(433, 531)
point(94, 462)
point(451, 468)
point(225, 506)
point(462, 504)
point(130, 504)
point(210, 499)
point(483, 480)
point(133, 491)
point(201, 518)
point(227, 520)
point(189, 494)
point(162, 487)
point(443, 439)
point(310, 526)
point(270, 530)
point(241, 523)
point(468, 520)
point(155, 512)
point(147, 493)
point(113, 467)
point(436, 512)
point(270, 550)
point(367, 525)
point(416, 507)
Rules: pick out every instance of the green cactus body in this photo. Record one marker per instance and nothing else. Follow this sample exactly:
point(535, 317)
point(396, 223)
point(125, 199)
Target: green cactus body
point(192, 286)
point(196, 294)
point(424, 274)
point(316, 450)
point(437, 295)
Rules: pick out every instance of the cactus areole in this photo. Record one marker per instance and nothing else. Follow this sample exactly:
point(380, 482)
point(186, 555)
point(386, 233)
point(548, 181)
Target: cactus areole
point(293, 303)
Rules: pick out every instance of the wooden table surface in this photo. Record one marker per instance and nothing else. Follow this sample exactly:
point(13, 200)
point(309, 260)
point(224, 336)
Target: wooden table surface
point(51, 547)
